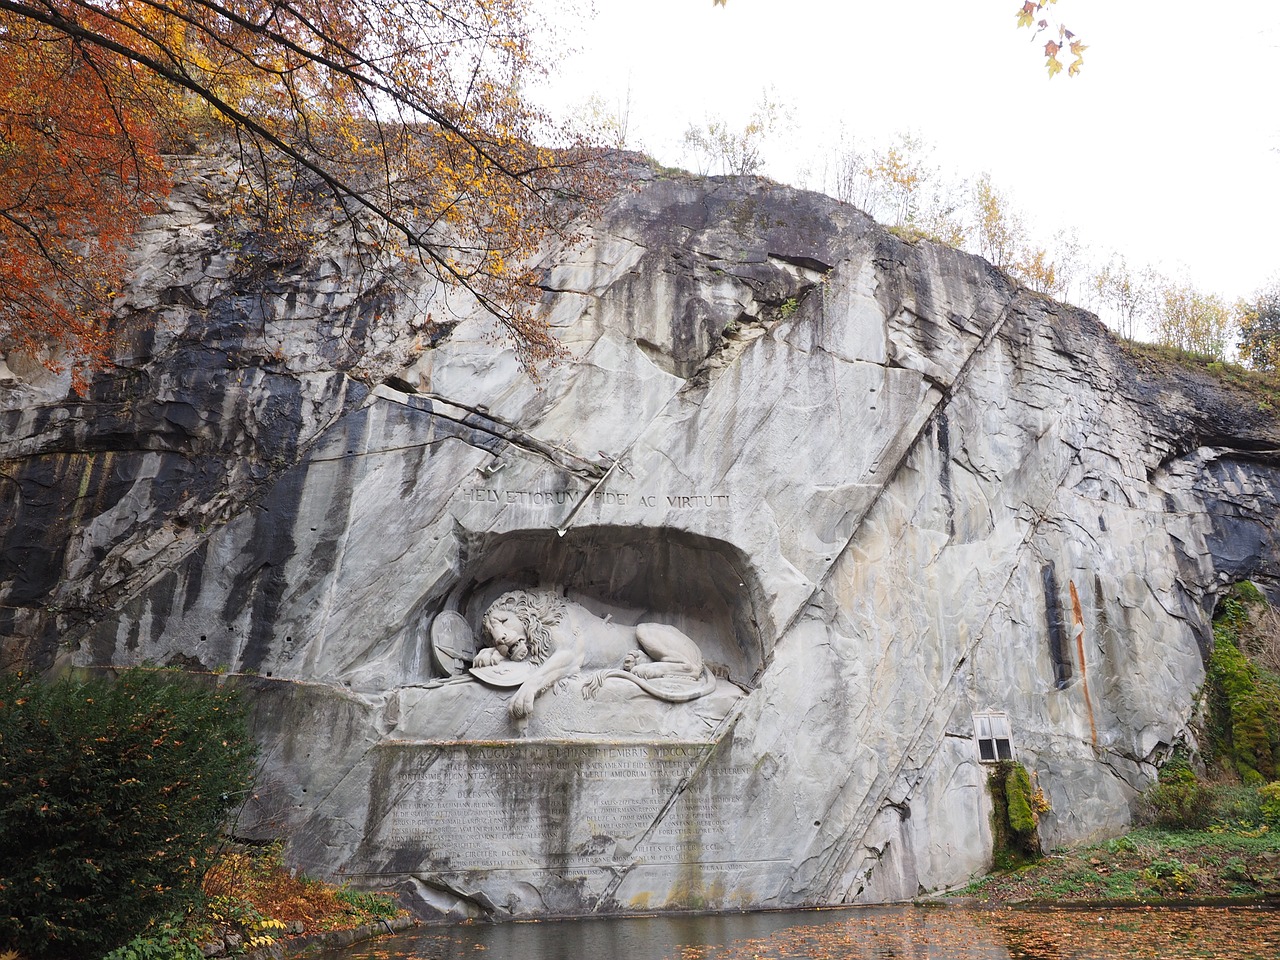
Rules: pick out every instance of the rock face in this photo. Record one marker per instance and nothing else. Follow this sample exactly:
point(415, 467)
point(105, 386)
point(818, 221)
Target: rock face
point(878, 497)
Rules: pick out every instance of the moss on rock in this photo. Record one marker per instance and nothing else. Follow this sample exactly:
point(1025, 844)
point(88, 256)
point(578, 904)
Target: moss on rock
point(1244, 699)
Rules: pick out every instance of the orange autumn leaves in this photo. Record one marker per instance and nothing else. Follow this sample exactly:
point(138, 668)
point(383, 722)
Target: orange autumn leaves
point(948, 934)
point(410, 116)
point(1029, 16)
point(78, 165)
point(927, 932)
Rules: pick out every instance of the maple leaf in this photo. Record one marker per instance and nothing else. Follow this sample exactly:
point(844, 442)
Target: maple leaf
point(1055, 66)
point(1051, 49)
point(1026, 16)
point(1074, 69)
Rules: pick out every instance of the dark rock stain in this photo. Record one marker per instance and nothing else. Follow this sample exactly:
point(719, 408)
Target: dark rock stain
point(1059, 651)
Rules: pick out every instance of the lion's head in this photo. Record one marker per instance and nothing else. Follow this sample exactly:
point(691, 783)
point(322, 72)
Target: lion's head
point(537, 612)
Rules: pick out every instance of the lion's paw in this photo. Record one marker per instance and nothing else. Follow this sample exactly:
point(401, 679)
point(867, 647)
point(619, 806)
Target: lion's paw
point(487, 657)
point(521, 705)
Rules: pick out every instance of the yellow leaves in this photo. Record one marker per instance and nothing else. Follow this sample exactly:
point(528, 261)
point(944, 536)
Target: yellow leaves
point(1077, 51)
point(1027, 14)
point(1191, 319)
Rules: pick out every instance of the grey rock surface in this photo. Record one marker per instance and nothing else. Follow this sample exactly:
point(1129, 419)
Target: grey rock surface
point(872, 481)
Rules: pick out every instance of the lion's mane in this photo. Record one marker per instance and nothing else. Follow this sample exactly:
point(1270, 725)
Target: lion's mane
point(537, 611)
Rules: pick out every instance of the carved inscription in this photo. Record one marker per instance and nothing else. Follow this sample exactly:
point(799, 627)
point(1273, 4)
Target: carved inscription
point(524, 498)
point(695, 827)
point(515, 807)
point(545, 499)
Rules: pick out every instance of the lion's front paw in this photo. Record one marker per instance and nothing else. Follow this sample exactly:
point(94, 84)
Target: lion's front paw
point(487, 658)
point(633, 660)
point(521, 705)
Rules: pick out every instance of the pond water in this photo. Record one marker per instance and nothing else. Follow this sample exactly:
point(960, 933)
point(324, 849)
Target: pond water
point(869, 933)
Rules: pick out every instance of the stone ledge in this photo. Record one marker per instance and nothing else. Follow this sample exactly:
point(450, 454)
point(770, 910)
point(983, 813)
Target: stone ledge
point(330, 939)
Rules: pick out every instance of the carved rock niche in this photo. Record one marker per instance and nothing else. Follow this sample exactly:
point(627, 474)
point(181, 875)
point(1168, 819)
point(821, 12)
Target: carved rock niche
point(646, 634)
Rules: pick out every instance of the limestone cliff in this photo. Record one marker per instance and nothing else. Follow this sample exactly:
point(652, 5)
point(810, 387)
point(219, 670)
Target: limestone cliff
point(888, 494)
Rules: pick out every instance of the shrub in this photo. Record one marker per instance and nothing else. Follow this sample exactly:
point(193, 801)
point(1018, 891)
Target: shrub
point(374, 904)
point(1171, 876)
point(164, 941)
point(1180, 801)
point(111, 798)
point(246, 885)
point(1270, 795)
point(1237, 806)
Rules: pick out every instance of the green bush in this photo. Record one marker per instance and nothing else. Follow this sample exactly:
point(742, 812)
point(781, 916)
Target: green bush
point(1270, 795)
point(1237, 805)
point(1171, 876)
point(164, 941)
point(1180, 801)
point(111, 798)
point(1252, 728)
point(375, 904)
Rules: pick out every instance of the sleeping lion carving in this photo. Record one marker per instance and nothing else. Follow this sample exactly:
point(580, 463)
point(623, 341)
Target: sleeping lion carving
point(562, 639)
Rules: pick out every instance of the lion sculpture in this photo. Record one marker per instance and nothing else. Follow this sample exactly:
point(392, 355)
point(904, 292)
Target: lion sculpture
point(563, 639)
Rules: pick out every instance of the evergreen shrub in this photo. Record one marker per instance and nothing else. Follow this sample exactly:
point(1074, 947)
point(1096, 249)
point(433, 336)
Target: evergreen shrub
point(112, 795)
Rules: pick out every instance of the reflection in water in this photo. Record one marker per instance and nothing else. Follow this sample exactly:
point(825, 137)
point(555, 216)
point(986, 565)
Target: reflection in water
point(871, 933)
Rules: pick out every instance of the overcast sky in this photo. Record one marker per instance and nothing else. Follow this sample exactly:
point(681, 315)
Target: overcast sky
point(1166, 148)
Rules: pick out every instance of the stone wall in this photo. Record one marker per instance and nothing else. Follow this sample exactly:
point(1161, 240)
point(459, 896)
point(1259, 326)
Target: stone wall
point(878, 487)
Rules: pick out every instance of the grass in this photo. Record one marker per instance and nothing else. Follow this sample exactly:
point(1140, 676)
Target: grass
point(1262, 386)
point(1149, 864)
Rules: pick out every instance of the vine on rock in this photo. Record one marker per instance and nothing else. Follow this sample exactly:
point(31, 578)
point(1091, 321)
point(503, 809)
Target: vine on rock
point(1244, 699)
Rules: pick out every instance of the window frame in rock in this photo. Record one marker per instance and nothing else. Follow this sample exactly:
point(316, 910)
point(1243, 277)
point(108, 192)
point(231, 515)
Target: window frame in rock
point(988, 727)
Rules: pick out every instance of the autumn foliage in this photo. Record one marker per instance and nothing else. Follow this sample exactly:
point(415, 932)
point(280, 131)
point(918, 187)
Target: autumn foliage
point(78, 166)
point(261, 882)
point(409, 117)
point(1035, 15)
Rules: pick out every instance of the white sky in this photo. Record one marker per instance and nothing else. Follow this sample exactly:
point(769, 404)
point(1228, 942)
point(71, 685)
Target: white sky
point(1166, 148)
